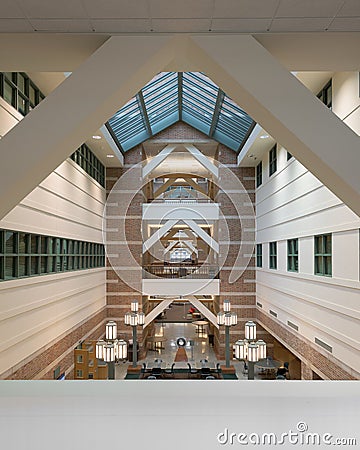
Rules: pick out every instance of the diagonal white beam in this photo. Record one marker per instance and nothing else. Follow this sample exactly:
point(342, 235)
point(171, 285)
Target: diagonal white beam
point(75, 109)
point(156, 311)
point(190, 246)
point(158, 159)
point(163, 188)
point(204, 310)
point(299, 121)
point(202, 234)
point(170, 247)
point(202, 159)
point(192, 183)
point(158, 234)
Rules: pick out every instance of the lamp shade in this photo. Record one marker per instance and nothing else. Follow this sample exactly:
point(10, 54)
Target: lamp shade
point(227, 305)
point(134, 306)
point(109, 352)
point(141, 318)
point(253, 353)
point(262, 349)
point(250, 330)
point(220, 318)
point(240, 350)
point(134, 319)
point(121, 349)
point(228, 319)
point(234, 318)
point(111, 330)
point(99, 349)
point(127, 318)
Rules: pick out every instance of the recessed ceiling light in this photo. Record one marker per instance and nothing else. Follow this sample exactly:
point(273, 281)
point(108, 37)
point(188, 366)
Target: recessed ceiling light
point(110, 156)
point(264, 136)
point(96, 137)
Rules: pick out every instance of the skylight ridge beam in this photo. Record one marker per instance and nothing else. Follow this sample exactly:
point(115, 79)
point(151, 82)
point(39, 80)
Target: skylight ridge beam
point(180, 94)
point(217, 109)
point(142, 107)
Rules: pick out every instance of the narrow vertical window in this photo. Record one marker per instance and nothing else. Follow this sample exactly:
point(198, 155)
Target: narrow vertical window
point(293, 255)
point(258, 255)
point(323, 255)
point(259, 174)
point(272, 161)
point(273, 255)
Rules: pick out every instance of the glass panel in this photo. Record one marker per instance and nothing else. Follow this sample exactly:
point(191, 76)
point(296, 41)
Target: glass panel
point(43, 264)
point(44, 249)
point(23, 262)
point(34, 244)
point(35, 260)
point(9, 94)
point(10, 242)
point(10, 266)
point(23, 243)
point(32, 95)
point(21, 83)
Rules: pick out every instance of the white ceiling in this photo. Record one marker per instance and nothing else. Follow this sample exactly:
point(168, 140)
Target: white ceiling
point(161, 16)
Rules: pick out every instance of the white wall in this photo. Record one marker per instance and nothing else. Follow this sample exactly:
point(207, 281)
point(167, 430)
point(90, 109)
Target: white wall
point(292, 203)
point(37, 311)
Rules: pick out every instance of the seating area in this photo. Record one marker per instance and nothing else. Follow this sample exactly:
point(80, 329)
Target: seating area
point(201, 370)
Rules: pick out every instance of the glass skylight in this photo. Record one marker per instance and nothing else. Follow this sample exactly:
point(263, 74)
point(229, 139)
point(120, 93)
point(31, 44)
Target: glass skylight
point(173, 96)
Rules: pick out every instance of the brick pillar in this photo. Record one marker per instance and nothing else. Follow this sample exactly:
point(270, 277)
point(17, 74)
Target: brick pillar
point(306, 372)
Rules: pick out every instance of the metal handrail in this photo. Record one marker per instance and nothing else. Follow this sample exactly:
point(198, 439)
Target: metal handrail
point(184, 270)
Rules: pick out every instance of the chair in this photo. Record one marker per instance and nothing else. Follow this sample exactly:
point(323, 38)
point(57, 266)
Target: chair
point(157, 371)
point(205, 372)
point(191, 370)
point(170, 371)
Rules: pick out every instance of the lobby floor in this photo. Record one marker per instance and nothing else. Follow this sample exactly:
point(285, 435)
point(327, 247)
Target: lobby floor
point(171, 332)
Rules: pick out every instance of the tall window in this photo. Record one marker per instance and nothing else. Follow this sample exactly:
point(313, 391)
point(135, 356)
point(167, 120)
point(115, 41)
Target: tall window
point(273, 255)
point(325, 95)
point(19, 91)
point(24, 255)
point(259, 174)
point(258, 255)
point(86, 159)
point(272, 161)
point(323, 255)
point(293, 255)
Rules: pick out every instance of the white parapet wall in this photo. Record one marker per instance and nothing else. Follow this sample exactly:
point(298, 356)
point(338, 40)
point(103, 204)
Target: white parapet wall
point(171, 287)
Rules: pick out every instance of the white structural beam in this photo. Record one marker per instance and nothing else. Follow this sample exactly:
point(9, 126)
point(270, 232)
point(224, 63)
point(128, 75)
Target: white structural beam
point(156, 311)
point(204, 310)
point(190, 246)
point(170, 247)
point(159, 234)
point(198, 188)
point(74, 110)
point(203, 235)
point(286, 109)
point(202, 159)
point(163, 188)
point(158, 159)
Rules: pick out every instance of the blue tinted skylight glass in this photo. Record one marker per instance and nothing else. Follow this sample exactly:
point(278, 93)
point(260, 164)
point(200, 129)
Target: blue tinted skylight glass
point(188, 96)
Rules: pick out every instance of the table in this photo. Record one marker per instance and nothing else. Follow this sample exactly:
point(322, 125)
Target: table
point(200, 325)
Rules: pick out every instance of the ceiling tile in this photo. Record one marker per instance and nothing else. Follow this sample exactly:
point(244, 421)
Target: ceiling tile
point(308, 8)
point(180, 25)
point(117, 9)
point(15, 26)
point(244, 8)
point(300, 24)
point(64, 9)
point(345, 24)
point(350, 8)
point(9, 9)
point(121, 25)
point(241, 25)
point(181, 9)
point(61, 25)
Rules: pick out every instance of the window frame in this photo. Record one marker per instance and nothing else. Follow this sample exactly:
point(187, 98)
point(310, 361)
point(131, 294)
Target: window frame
point(259, 255)
point(322, 256)
point(293, 255)
point(272, 160)
point(273, 255)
